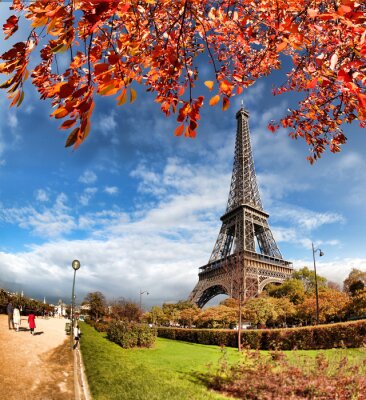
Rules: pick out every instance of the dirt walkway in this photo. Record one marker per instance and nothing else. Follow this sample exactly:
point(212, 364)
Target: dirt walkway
point(36, 367)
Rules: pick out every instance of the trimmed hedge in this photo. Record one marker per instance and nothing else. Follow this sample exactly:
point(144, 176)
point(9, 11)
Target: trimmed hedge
point(130, 334)
point(344, 334)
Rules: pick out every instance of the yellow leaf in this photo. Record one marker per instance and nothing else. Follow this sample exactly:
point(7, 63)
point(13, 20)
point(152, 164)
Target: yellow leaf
point(210, 84)
point(133, 95)
point(214, 100)
point(109, 90)
point(121, 99)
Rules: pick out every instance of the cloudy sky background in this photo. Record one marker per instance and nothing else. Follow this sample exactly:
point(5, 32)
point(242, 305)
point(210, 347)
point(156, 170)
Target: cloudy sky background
point(141, 208)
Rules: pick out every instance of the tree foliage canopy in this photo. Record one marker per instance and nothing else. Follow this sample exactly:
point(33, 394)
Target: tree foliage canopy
point(115, 45)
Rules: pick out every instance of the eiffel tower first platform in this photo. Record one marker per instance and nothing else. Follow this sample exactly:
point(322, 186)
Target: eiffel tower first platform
point(245, 257)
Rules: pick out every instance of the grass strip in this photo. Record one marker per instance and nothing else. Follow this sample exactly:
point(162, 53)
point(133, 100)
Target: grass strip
point(171, 370)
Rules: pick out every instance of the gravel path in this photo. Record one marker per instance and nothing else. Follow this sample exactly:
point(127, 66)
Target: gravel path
point(36, 366)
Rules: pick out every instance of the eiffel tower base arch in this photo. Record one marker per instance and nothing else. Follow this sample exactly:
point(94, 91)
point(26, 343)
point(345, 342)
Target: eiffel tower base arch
point(236, 274)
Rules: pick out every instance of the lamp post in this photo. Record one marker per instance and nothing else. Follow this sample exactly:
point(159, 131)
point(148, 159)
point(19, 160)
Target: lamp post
point(316, 281)
point(141, 293)
point(75, 265)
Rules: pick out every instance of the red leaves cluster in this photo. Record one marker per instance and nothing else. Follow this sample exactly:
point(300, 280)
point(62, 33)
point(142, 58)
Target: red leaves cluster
point(114, 45)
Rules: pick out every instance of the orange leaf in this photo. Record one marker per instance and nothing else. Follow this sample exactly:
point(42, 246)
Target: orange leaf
point(214, 100)
point(59, 113)
point(179, 130)
point(209, 84)
point(133, 95)
point(225, 103)
point(281, 46)
point(121, 99)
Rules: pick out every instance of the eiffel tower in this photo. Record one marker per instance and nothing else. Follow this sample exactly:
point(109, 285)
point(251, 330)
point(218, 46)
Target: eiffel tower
point(245, 257)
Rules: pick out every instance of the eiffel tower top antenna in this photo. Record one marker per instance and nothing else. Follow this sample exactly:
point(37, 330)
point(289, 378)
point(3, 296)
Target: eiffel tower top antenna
point(243, 188)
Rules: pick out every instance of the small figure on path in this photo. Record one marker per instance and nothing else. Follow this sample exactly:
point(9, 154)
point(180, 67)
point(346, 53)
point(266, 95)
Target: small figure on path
point(76, 336)
point(16, 318)
point(31, 322)
point(10, 310)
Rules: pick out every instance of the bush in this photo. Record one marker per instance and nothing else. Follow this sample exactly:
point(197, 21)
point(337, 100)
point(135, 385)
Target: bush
point(130, 334)
point(100, 326)
point(346, 334)
point(259, 377)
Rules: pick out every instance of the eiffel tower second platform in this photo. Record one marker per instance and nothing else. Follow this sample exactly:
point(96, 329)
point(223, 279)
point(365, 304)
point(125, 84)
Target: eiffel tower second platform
point(245, 257)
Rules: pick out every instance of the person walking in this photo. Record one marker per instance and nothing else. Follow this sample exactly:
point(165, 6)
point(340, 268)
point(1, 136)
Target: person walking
point(10, 310)
point(16, 318)
point(32, 322)
point(76, 336)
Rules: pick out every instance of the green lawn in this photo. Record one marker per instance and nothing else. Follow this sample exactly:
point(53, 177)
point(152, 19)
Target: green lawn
point(168, 371)
point(171, 370)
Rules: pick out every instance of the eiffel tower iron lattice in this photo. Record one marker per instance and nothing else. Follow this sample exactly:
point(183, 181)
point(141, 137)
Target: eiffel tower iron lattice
point(245, 257)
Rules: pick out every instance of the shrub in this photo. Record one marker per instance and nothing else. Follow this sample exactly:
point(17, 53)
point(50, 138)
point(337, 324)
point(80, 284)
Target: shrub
point(260, 377)
point(346, 334)
point(130, 334)
point(100, 326)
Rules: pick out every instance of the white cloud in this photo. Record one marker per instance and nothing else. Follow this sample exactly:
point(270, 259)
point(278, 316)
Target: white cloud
point(88, 177)
point(306, 220)
point(42, 195)
point(87, 195)
point(112, 190)
point(12, 120)
point(334, 270)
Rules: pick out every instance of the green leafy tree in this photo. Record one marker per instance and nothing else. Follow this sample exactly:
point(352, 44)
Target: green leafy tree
point(97, 305)
point(293, 289)
point(260, 310)
point(356, 281)
point(357, 305)
point(307, 277)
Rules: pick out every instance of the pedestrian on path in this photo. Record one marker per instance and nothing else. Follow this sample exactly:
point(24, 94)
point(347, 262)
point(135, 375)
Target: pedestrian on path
point(16, 318)
point(76, 336)
point(31, 322)
point(10, 310)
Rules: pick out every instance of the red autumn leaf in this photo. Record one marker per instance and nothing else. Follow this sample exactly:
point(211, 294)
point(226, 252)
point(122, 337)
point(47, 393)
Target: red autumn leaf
point(68, 124)
point(11, 26)
point(225, 103)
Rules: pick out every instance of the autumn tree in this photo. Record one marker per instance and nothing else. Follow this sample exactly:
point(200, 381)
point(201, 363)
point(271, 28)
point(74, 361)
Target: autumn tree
point(122, 309)
point(97, 304)
point(113, 46)
point(356, 281)
point(333, 306)
point(217, 317)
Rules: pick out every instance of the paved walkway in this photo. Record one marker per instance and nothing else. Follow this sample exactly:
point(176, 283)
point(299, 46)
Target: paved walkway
point(40, 366)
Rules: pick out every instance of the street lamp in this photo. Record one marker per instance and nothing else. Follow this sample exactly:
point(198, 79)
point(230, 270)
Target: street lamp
point(141, 293)
point(321, 254)
point(75, 265)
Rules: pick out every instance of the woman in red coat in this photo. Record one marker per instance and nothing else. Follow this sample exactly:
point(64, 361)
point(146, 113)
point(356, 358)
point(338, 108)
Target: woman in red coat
point(31, 322)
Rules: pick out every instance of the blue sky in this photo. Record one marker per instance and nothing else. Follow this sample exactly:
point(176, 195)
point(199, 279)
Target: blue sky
point(141, 208)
